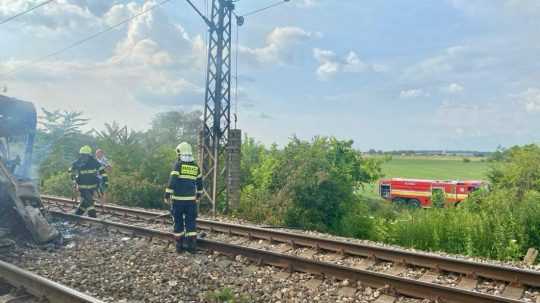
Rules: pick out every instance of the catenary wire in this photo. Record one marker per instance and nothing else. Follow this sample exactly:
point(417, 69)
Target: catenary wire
point(91, 37)
point(265, 8)
point(26, 11)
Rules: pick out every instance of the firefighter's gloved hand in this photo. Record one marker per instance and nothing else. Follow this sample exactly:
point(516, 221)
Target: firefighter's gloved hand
point(198, 197)
point(167, 198)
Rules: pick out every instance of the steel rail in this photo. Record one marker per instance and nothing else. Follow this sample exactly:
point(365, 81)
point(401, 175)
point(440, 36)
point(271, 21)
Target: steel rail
point(399, 285)
point(41, 287)
point(469, 268)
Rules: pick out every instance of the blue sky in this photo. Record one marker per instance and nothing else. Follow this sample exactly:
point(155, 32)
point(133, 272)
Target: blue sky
point(438, 74)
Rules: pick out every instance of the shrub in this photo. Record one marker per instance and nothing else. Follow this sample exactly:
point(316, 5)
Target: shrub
point(225, 295)
point(58, 184)
point(131, 189)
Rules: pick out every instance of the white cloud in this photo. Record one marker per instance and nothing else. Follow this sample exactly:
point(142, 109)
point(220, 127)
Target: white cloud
point(281, 47)
point(156, 65)
point(530, 100)
point(57, 16)
point(413, 93)
point(453, 88)
point(475, 120)
point(330, 64)
point(456, 60)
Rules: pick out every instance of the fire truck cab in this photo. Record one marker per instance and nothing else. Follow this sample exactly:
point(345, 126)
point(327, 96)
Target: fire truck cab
point(418, 192)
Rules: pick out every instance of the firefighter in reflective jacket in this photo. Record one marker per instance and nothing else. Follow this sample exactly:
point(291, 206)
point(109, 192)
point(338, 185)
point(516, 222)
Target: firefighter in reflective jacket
point(84, 172)
point(183, 192)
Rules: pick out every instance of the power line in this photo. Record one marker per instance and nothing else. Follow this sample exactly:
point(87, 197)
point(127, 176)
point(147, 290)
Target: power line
point(26, 11)
point(265, 8)
point(93, 36)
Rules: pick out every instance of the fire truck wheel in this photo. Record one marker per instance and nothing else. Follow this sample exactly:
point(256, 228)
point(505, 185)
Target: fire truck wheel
point(414, 203)
point(399, 201)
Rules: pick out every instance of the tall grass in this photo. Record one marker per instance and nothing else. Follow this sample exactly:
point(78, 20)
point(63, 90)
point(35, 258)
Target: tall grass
point(497, 227)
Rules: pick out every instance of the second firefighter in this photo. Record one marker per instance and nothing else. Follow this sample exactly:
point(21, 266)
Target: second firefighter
point(184, 190)
point(84, 173)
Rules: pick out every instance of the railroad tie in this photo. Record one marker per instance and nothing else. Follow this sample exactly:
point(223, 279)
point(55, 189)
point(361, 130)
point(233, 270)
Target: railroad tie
point(364, 264)
point(283, 248)
point(467, 283)
point(347, 291)
point(282, 275)
point(385, 299)
point(397, 269)
point(308, 254)
point(313, 284)
point(513, 292)
point(538, 299)
point(335, 256)
point(429, 276)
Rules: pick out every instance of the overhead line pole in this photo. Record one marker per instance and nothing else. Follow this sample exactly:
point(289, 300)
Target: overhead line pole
point(214, 142)
point(217, 109)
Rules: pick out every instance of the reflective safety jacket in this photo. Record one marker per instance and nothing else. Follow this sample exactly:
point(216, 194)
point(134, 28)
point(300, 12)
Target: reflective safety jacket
point(103, 171)
point(185, 182)
point(85, 172)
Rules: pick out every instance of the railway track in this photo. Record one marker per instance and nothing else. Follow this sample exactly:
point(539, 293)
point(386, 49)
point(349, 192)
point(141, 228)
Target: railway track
point(38, 288)
point(423, 287)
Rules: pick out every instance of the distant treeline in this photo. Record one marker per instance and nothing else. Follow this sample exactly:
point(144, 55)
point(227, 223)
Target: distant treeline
point(457, 153)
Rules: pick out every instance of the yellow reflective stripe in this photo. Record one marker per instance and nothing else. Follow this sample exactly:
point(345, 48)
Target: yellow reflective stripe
point(189, 170)
point(175, 173)
point(87, 186)
point(189, 177)
point(88, 171)
point(104, 175)
point(191, 234)
point(199, 191)
point(90, 208)
point(199, 176)
point(178, 234)
point(179, 198)
point(169, 191)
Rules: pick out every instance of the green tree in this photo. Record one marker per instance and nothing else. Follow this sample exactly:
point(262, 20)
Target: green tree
point(58, 140)
point(518, 169)
point(321, 176)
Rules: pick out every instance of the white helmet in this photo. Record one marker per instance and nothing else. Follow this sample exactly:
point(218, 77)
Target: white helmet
point(184, 149)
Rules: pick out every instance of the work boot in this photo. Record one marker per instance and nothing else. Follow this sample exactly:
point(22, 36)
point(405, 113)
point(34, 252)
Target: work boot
point(180, 245)
point(192, 245)
point(79, 212)
point(92, 213)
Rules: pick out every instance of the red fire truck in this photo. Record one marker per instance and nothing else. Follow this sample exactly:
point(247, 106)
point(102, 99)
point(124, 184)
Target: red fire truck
point(418, 192)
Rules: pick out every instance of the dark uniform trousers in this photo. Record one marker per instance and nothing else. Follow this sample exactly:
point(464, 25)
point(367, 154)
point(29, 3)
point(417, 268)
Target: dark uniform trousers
point(185, 186)
point(87, 203)
point(185, 219)
point(85, 172)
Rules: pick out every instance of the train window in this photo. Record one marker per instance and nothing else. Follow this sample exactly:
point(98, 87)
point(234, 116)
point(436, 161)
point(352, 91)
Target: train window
point(471, 189)
point(385, 191)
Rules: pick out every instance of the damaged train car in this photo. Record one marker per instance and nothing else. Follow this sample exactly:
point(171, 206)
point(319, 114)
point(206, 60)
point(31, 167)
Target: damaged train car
point(21, 210)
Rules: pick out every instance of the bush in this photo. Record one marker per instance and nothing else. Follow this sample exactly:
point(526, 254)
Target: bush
point(357, 222)
point(438, 198)
point(131, 189)
point(59, 184)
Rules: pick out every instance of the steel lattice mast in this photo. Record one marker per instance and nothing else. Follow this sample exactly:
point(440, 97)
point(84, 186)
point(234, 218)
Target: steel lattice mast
point(217, 108)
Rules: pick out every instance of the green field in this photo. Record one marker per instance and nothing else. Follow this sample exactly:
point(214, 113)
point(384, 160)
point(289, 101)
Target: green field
point(440, 169)
point(430, 168)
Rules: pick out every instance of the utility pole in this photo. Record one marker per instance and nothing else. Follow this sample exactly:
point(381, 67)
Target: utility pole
point(219, 145)
point(217, 108)
point(214, 139)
